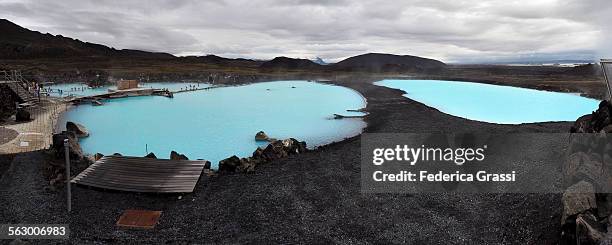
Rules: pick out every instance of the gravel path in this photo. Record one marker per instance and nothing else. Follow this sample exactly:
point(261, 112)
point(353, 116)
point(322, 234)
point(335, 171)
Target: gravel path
point(37, 132)
point(24, 193)
point(310, 198)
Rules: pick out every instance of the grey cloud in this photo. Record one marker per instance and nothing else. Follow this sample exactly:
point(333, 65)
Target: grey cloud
point(449, 30)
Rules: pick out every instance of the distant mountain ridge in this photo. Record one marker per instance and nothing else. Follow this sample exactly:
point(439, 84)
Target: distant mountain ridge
point(17, 42)
point(221, 61)
point(377, 62)
point(286, 63)
point(319, 61)
point(371, 62)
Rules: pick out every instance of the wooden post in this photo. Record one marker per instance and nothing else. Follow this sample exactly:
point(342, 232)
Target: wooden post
point(68, 194)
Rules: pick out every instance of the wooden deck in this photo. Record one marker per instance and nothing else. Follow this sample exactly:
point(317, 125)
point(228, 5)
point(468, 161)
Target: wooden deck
point(139, 174)
point(117, 94)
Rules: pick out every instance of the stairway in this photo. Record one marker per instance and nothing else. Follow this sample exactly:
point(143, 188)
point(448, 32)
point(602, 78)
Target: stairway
point(26, 98)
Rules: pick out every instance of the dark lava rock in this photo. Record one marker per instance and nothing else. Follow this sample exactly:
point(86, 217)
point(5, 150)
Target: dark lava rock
point(293, 146)
point(78, 129)
point(235, 164)
point(282, 148)
point(582, 124)
point(588, 229)
point(97, 156)
point(261, 136)
point(587, 214)
point(75, 150)
point(277, 149)
point(229, 164)
point(22, 115)
point(151, 155)
point(258, 153)
point(274, 150)
point(117, 154)
point(582, 166)
point(577, 199)
point(8, 100)
point(596, 121)
point(176, 156)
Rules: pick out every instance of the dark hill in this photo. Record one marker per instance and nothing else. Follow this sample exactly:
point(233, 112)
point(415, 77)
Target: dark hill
point(17, 42)
point(222, 61)
point(375, 62)
point(284, 63)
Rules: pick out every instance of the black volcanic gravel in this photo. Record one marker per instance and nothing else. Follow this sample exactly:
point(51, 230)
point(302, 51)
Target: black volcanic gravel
point(310, 198)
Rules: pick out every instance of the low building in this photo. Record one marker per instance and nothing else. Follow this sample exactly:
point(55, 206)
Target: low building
point(127, 84)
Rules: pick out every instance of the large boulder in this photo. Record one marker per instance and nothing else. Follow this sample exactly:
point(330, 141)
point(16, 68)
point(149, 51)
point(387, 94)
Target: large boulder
point(261, 136)
point(97, 156)
point(586, 214)
point(583, 166)
point(274, 150)
point(235, 164)
point(229, 164)
point(22, 115)
point(75, 150)
point(596, 121)
point(582, 124)
point(601, 117)
point(258, 153)
point(588, 229)
point(151, 155)
point(78, 129)
point(293, 146)
point(578, 199)
point(282, 148)
point(176, 156)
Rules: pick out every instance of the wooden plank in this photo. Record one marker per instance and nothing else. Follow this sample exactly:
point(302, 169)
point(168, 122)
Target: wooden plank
point(141, 189)
point(139, 174)
point(142, 219)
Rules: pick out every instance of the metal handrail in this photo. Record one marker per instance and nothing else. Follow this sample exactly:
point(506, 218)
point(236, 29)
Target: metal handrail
point(17, 77)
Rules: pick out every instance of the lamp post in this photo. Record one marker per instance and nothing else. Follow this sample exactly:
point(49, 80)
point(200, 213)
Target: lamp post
point(68, 194)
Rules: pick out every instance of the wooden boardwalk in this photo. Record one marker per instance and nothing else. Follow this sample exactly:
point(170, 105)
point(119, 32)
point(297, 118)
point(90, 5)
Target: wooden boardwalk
point(139, 174)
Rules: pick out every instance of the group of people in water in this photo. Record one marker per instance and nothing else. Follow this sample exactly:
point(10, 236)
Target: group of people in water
point(190, 87)
point(61, 91)
point(70, 91)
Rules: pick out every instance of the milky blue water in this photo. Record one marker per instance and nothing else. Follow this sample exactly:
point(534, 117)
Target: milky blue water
point(79, 89)
point(217, 123)
point(494, 103)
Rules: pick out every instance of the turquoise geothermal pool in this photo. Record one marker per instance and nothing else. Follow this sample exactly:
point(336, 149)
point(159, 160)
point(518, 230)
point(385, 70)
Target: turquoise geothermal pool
point(217, 123)
point(494, 103)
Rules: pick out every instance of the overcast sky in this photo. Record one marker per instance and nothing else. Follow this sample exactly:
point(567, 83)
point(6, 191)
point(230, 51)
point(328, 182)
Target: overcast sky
point(452, 31)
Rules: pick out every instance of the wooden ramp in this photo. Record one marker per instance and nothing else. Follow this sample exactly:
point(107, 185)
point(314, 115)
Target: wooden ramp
point(140, 174)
